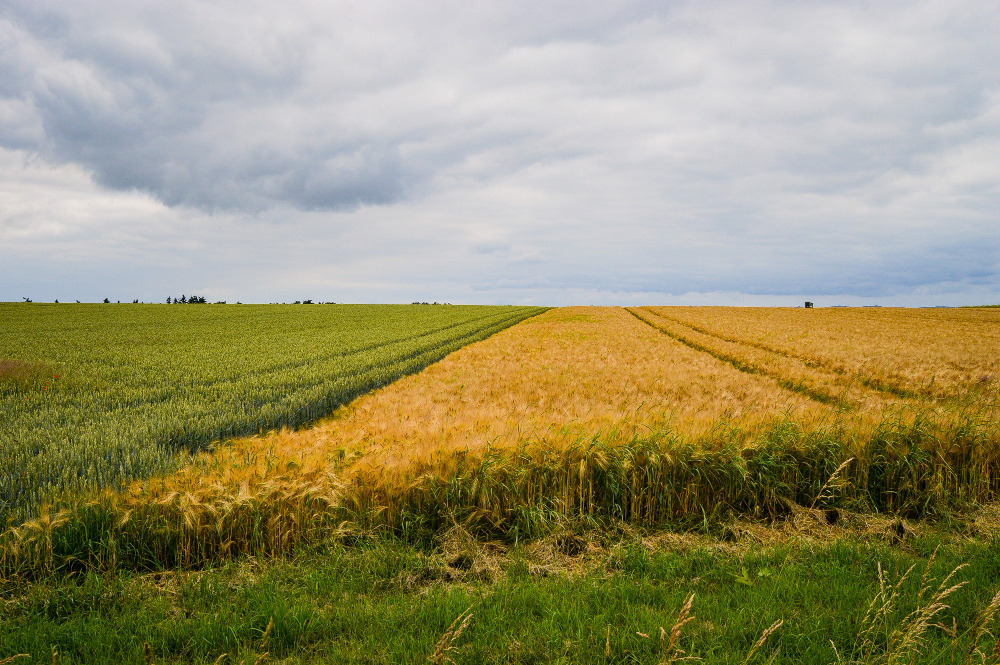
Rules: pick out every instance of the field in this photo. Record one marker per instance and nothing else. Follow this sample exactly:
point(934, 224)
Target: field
point(572, 477)
point(93, 396)
point(607, 412)
point(929, 353)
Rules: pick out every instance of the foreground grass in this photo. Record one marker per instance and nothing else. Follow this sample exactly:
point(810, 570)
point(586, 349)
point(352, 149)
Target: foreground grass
point(384, 601)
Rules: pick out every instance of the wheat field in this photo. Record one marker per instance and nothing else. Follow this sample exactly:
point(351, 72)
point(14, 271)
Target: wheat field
point(931, 352)
point(579, 372)
point(649, 416)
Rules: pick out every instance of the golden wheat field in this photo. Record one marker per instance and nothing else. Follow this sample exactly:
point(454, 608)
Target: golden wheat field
point(568, 374)
point(616, 373)
point(933, 352)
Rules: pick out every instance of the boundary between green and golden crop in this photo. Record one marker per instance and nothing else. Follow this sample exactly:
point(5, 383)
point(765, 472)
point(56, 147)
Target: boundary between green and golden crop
point(291, 393)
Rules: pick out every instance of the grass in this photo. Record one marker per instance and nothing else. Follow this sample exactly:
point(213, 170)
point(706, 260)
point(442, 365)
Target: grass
point(385, 601)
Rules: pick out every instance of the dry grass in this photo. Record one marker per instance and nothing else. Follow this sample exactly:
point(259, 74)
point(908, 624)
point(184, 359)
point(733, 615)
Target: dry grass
point(22, 372)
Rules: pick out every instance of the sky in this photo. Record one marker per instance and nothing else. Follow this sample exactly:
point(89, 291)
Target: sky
point(495, 152)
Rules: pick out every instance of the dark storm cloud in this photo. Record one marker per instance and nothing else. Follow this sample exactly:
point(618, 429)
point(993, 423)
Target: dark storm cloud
point(237, 106)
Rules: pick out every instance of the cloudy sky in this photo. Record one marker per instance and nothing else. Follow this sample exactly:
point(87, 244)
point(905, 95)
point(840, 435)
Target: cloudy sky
point(501, 151)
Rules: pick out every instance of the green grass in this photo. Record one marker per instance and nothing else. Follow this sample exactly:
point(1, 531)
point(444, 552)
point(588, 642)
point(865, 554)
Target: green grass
point(95, 395)
point(388, 602)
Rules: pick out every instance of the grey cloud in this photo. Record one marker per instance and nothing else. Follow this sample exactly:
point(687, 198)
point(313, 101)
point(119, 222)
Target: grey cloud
point(224, 106)
point(521, 148)
point(490, 247)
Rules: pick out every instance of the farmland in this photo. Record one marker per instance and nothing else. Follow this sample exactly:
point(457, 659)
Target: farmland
point(580, 387)
point(93, 395)
point(931, 353)
point(572, 477)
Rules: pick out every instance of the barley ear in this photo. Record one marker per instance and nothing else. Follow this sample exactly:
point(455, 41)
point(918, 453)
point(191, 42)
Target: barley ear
point(822, 491)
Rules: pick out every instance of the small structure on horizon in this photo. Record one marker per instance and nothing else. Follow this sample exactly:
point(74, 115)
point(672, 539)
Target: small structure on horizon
point(809, 304)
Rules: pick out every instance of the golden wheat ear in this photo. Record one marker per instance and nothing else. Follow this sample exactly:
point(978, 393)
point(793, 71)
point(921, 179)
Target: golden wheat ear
point(763, 638)
point(11, 659)
point(446, 644)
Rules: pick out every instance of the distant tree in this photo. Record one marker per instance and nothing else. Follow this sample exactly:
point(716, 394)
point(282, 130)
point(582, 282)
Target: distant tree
point(183, 299)
point(57, 301)
point(106, 301)
point(169, 300)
